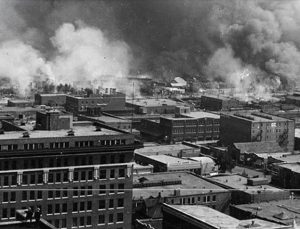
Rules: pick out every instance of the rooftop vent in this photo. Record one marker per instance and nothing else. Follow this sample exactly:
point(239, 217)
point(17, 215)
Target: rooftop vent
point(26, 134)
point(98, 128)
point(71, 132)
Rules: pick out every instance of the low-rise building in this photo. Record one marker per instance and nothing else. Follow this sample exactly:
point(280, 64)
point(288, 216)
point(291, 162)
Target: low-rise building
point(19, 103)
point(53, 100)
point(218, 103)
point(151, 190)
point(250, 190)
point(285, 212)
point(202, 217)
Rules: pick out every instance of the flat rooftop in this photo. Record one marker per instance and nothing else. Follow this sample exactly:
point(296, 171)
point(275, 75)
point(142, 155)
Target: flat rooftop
point(255, 116)
point(218, 219)
point(238, 182)
point(221, 97)
point(295, 167)
point(58, 94)
point(282, 211)
point(154, 102)
point(190, 185)
point(202, 114)
point(82, 130)
point(171, 160)
point(109, 119)
point(164, 149)
point(288, 158)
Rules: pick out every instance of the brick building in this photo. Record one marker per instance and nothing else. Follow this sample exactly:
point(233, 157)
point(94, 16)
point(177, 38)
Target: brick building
point(52, 100)
point(257, 127)
point(80, 178)
point(53, 120)
point(107, 102)
point(194, 126)
point(218, 103)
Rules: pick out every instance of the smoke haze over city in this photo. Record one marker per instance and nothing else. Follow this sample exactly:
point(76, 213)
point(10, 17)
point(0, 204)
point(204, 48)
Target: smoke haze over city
point(251, 45)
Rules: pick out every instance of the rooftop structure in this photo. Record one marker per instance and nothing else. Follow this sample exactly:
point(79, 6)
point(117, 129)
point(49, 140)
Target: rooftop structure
point(218, 103)
point(281, 211)
point(250, 190)
point(52, 100)
point(200, 217)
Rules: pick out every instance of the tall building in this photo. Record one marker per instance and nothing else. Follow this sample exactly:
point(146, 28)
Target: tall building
point(257, 127)
point(79, 178)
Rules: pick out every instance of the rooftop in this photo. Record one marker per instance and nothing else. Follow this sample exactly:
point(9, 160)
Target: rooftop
point(154, 102)
point(221, 97)
point(282, 211)
point(255, 116)
point(109, 119)
point(258, 147)
point(83, 130)
point(238, 182)
point(218, 219)
point(171, 160)
point(190, 185)
point(164, 149)
point(295, 167)
point(202, 114)
point(290, 158)
point(58, 94)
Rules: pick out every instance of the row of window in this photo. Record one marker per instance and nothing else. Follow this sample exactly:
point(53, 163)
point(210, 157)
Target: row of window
point(83, 191)
point(61, 145)
point(111, 203)
point(8, 213)
point(59, 162)
point(193, 200)
point(194, 130)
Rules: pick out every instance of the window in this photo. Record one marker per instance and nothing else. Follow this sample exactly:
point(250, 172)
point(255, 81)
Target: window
point(25, 179)
point(101, 204)
point(58, 177)
point(81, 221)
point(121, 187)
point(75, 223)
point(121, 172)
point(4, 213)
point(89, 205)
point(82, 191)
point(32, 179)
point(214, 198)
point(208, 198)
point(88, 220)
point(102, 174)
point(90, 175)
point(5, 196)
point(12, 212)
point(31, 195)
point(83, 175)
point(75, 207)
point(5, 181)
point(75, 191)
point(50, 178)
point(39, 195)
point(40, 178)
point(64, 207)
point(120, 217)
point(76, 176)
point(63, 223)
point(57, 194)
point(50, 194)
point(81, 206)
point(102, 190)
point(101, 219)
point(111, 218)
point(50, 209)
point(111, 203)
point(13, 196)
point(111, 188)
point(57, 208)
point(121, 202)
point(112, 173)
point(65, 192)
point(24, 195)
point(90, 190)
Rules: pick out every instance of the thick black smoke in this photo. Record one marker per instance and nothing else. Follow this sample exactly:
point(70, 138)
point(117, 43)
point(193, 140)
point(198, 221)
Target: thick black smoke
point(241, 42)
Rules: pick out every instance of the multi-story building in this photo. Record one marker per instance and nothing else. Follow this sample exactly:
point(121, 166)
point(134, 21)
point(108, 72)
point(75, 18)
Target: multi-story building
point(194, 126)
point(218, 103)
point(257, 127)
point(52, 100)
point(107, 102)
point(79, 178)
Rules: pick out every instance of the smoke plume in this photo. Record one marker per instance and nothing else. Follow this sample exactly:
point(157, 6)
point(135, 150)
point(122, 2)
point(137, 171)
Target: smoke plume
point(251, 45)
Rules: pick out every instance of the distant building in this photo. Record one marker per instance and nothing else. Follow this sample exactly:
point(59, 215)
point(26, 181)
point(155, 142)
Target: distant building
point(193, 126)
point(293, 99)
point(150, 191)
point(19, 103)
point(202, 217)
point(53, 100)
point(281, 211)
point(106, 102)
point(53, 120)
point(249, 190)
point(153, 106)
point(257, 127)
point(218, 103)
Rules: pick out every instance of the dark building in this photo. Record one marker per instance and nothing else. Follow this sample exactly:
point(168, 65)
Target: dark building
point(181, 188)
point(257, 127)
point(79, 178)
point(53, 100)
point(107, 102)
point(249, 190)
point(194, 126)
point(53, 120)
point(218, 103)
point(19, 103)
point(293, 99)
